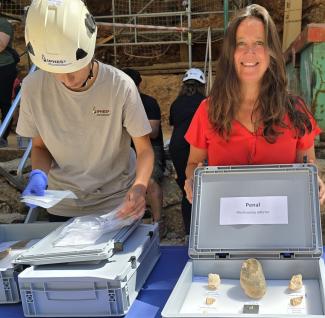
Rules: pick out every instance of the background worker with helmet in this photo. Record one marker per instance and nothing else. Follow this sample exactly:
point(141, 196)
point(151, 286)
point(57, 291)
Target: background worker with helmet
point(181, 112)
point(81, 115)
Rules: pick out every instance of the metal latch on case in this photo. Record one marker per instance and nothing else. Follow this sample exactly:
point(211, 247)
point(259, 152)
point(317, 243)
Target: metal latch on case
point(222, 255)
point(133, 261)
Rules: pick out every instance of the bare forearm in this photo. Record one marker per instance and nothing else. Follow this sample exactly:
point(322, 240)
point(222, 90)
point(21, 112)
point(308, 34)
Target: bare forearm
point(195, 158)
point(4, 40)
point(144, 167)
point(41, 159)
point(155, 125)
point(153, 134)
point(190, 170)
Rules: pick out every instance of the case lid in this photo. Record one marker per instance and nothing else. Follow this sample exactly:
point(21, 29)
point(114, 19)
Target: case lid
point(45, 252)
point(269, 211)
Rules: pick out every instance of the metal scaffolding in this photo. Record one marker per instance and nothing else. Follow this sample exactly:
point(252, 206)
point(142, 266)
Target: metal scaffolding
point(146, 29)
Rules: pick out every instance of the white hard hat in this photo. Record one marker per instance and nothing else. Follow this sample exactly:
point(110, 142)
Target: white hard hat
point(195, 74)
point(60, 35)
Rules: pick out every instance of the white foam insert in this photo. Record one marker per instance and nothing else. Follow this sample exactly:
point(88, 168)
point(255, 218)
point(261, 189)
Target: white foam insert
point(230, 298)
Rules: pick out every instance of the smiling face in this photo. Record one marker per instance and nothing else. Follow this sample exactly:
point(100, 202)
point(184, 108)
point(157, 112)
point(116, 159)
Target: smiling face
point(251, 54)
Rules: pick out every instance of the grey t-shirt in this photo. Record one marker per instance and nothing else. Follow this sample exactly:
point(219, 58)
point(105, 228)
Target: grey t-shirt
point(88, 135)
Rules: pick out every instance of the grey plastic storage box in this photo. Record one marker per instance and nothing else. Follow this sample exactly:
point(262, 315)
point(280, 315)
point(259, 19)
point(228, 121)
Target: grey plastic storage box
point(270, 213)
point(91, 289)
point(46, 252)
point(14, 239)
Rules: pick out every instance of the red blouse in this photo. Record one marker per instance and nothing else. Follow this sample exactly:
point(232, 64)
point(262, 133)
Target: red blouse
point(245, 147)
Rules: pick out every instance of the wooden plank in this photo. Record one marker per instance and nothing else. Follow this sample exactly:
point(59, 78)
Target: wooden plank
point(183, 52)
point(292, 22)
point(167, 68)
point(177, 65)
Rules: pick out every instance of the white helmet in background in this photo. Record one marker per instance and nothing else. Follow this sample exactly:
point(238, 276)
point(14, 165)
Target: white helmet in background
point(194, 74)
point(60, 35)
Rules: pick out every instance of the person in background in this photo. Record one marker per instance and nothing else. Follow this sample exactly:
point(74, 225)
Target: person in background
point(249, 118)
point(82, 115)
point(8, 73)
point(151, 106)
point(182, 111)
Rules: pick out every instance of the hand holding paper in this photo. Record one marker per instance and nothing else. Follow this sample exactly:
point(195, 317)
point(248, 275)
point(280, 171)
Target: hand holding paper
point(49, 198)
point(36, 185)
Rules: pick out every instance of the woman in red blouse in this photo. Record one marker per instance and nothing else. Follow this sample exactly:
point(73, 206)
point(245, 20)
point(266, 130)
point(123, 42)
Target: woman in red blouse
point(249, 117)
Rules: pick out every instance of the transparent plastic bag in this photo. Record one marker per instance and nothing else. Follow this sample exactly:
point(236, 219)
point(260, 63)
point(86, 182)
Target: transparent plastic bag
point(86, 230)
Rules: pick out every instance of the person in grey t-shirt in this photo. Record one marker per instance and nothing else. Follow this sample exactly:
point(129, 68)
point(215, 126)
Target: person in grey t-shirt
point(81, 115)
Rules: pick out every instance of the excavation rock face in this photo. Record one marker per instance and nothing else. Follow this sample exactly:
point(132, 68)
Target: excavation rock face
point(252, 279)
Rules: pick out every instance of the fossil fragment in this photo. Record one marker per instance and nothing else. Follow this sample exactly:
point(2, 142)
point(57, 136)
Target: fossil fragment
point(295, 282)
point(296, 301)
point(252, 279)
point(210, 300)
point(213, 281)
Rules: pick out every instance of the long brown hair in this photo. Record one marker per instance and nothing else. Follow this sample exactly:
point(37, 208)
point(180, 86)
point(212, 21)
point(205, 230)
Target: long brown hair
point(273, 102)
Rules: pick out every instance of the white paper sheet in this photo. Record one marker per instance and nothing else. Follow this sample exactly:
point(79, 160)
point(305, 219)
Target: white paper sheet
point(254, 210)
point(50, 198)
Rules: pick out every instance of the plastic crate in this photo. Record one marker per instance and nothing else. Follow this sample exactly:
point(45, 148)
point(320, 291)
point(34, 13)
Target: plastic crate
point(9, 234)
point(91, 289)
point(237, 214)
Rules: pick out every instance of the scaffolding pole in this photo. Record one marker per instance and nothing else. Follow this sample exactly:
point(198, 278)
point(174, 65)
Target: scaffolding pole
point(189, 37)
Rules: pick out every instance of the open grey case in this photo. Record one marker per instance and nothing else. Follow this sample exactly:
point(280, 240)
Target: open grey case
point(301, 236)
point(285, 246)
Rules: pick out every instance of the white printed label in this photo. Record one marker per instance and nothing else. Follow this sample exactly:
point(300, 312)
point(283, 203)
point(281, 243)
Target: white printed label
point(299, 308)
point(254, 210)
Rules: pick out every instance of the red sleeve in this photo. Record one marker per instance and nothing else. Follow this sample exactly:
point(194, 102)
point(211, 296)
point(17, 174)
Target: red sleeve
point(307, 140)
point(196, 133)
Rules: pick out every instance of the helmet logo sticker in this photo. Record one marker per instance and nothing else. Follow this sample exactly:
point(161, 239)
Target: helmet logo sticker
point(53, 61)
point(90, 23)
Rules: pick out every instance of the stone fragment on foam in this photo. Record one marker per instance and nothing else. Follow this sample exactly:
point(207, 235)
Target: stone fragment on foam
point(295, 282)
point(252, 279)
point(213, 281)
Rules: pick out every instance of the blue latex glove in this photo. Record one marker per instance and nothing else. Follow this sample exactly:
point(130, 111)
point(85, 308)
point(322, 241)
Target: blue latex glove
point(36, 185)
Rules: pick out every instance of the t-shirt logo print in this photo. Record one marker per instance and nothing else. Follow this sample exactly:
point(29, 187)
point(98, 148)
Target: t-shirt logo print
point(101, 112)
